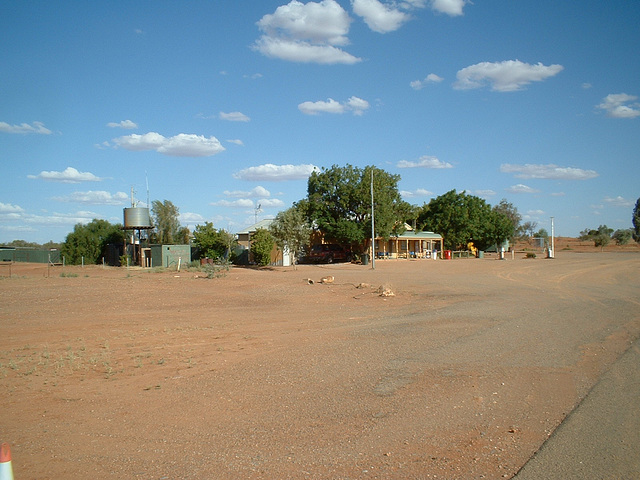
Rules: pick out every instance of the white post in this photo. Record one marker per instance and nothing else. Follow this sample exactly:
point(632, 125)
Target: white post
point(179, 261)
point(553, 247)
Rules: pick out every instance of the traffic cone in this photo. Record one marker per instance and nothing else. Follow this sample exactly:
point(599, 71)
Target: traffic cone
point(6, 472)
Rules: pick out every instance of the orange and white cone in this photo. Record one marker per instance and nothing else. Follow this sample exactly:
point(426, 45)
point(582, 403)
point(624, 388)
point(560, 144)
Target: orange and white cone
point(6, 472)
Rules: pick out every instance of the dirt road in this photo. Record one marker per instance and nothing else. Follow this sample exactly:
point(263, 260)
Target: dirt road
point(463, 373)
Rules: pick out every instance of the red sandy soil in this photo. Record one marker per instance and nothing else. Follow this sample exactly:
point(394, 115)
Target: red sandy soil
point(463, 373)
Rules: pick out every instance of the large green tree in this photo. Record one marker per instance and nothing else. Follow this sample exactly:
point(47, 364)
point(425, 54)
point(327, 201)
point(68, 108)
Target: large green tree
point(339, 203)
point(461, 219)
point(290, 229)
point(212, 243)
point(89, 241)
point(167, 225)
point(511, 212)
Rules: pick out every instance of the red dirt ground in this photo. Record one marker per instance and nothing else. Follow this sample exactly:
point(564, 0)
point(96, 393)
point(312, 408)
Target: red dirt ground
point(463, 373)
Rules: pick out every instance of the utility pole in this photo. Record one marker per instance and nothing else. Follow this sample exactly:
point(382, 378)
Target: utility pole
point(373, 233)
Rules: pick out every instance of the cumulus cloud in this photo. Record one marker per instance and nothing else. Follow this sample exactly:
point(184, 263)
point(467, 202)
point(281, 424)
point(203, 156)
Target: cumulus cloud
point(419, 192)
point(426, 161)
point(181, 145)
point(355, 105)
point(234, 117)
point(24, 128)
point(275, 173)
point(520, 188)
point(485, 193)
point(9, 208)
point(126, 124)
point(379, 17)
point(549, 172)
point(239, 203)
point(420, 84)
point(257, 192)
point(452, 8)
point(388, 16)
point(311, 32)
point(98, 197)
point(620, 105)
point(507, 76)
point(236, 141)
point(191, 219)
point(271, 203)
point(618, 201)
point(68, 175)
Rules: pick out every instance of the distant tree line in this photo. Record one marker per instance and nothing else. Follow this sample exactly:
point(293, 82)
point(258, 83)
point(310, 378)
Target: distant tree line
point(339, 204)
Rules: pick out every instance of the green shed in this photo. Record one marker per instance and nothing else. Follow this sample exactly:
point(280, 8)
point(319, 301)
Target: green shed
point(170, 255)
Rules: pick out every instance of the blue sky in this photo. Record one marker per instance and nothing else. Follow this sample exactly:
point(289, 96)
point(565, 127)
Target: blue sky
point(225, 106)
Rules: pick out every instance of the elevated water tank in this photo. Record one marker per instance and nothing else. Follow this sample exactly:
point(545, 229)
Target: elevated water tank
point(137, 218)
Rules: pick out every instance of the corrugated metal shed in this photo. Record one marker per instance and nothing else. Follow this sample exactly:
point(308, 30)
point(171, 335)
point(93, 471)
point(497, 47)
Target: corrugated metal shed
point(26, 254)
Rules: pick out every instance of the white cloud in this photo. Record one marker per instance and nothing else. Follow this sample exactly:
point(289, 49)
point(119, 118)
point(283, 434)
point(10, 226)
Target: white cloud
point(181, 145)
point(507, 76)
point(257, 192)
point(9, 208)
point(485, 193)
point(240, 203)
point(314, 108)
point(275, 173)
point(310, 32)
point(550, 171)
point(234, 117)
point(420, 84)
point(236, 141)
point(127, 124)
point(520, 188)
point(304, 52)
point(426, 161)
point(379, 17)
point(618, 202)
point(420, 192)
point(271, 203)
point(69, 175)
point(535, 213)
point(98, 197)
point(36, 127)
point(620, 105)
point(450, 7)
point(61, 219)
point(355, 105)
point(191, 219)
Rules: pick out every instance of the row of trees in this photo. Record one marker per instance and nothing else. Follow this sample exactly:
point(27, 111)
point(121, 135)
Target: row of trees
point(602, 236)
point(338, 203)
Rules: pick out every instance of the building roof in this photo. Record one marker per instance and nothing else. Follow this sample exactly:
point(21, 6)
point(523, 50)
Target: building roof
point(261, 224)
point(414, 235)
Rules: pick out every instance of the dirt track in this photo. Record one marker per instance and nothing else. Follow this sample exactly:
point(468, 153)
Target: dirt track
point(462, 374)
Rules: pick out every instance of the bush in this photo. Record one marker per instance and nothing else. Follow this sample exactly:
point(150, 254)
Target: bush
point(213, 270)
point(262, 244)
point(531, 255)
